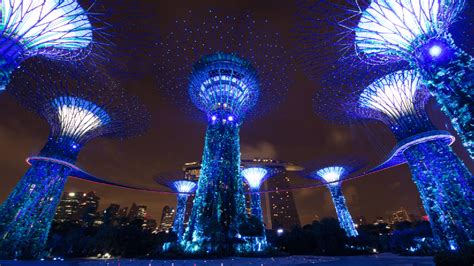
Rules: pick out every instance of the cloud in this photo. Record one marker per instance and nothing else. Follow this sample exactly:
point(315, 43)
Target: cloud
point(261, 150)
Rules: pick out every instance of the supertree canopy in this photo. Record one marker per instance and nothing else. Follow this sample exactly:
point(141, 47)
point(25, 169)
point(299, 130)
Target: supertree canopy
point(411, 32)
point(333, 176)
point(233, 75)
point(79, 106)
point(58, 29)
point(224, 86)
point(184, 188)
point(399, 100)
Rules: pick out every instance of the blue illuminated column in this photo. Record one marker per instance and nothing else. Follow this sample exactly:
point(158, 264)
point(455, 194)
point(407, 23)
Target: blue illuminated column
point(417, 32)
point(332, 176)
point(26, 215)
point(51, 28)
point(183, 187)
point(444, 182)
point(225, 87)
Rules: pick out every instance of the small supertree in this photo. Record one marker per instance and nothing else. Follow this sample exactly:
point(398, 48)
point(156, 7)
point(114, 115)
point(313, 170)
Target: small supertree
point(184, 189)
point(445, 184)
point(332, 176)
point(79, 106)
point(416, 32)
point(56, 29)
point(232, 66)
point(255, 176)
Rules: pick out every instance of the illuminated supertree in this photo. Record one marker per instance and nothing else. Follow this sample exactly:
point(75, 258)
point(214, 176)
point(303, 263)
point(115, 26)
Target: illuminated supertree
point(231, 68)
point(184, 188)
point(445, 184)
point(79, 106)
point(415, 32)
point(57, 29)
point(255, 176)
point(225, 87)
point(333, 177)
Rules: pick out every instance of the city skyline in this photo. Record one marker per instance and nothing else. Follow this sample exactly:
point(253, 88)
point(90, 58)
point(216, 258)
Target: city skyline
point(164, 223)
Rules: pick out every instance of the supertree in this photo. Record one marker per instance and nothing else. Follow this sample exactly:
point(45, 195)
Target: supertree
point(184, 188)
point(232, 69)
point(332, 176)
point(255, 176)
point(57, 29)
point(225, 86)
point(416, 32)
point(79, 106)
point(399, 100)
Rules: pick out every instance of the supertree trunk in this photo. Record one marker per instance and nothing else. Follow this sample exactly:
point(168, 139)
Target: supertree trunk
point(26, 216)
point(178, 223)
point(445, 186)
point(27, 213)
point(452, 85)
point(343, 215)
point(256, 205)
point(219, 205)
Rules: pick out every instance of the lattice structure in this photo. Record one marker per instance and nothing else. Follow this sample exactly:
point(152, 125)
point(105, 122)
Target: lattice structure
point(237, 69)
point(78, 106)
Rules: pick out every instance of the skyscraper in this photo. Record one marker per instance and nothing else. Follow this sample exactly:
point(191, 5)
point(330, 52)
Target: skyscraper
point(77, 207)
point(137, 212)
point(69, 206)
point(88, 207)
point(400, 216)
point(167, 217)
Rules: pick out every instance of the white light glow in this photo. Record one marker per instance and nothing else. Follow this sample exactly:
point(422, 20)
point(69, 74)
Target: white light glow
point(77, 116)
point(435, 51)
point(184, 186)
point(393, 94)
point(388, 26)
point(254, 176)
point(331, 174)
point(38, 24)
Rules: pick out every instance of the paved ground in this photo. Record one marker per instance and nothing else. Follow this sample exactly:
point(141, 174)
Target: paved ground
point(376, 260)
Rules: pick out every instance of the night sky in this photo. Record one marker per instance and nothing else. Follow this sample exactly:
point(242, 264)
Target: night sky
point(292, 132)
